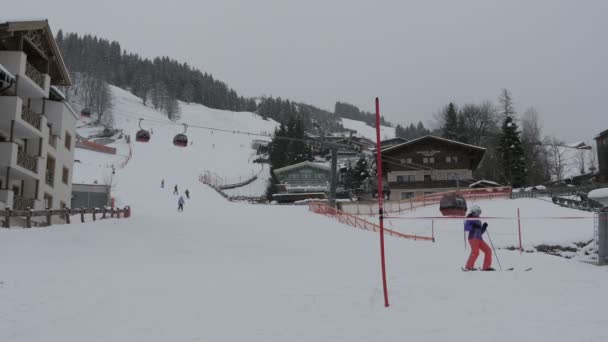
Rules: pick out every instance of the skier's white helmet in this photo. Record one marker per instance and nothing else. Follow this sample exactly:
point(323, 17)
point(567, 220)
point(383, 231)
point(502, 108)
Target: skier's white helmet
point(475, 209)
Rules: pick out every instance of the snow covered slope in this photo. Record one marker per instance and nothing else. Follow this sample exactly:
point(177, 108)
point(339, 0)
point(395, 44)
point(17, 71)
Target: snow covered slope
point(222, 271)
point(367, 131)
point(228, 154)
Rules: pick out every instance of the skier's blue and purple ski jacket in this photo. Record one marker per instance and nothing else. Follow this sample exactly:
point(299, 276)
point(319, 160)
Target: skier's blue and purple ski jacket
point(474, 227)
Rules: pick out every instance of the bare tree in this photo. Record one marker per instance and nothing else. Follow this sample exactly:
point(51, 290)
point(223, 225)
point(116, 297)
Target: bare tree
point(557, 158)
point(478, 122)
point(171, 107)
point(102, 103)
point(534, 152)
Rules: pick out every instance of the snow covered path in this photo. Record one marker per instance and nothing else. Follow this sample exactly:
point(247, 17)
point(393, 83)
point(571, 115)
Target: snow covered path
point(224, 271)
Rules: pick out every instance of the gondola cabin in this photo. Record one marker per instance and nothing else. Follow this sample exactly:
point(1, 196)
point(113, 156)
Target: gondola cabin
point(453, 205)
point(142, 136)
point(180, 140)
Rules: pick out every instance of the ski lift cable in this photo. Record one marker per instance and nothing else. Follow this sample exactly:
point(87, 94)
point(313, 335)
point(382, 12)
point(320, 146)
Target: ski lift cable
point(266, 135)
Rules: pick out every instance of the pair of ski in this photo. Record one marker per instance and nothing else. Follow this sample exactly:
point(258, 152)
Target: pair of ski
point(508, 269)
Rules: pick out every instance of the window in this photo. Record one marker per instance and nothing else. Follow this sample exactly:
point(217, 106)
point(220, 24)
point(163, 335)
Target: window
point(411, 178)
point(68, 141)
point(402, 161)
point(408, 160)
point(431, 160)
point(448, 159)
point(428, 160)
point(48, 201)
point(50, 170)
point(427, 178)
point(65, 176)
point(407, 195)
point(399, 179)
point(454, 159)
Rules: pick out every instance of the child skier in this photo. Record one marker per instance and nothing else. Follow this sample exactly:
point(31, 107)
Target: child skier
point(175, 192)
point(180, 204)
point(476, 230)
point(187, 193)
point(162, 184)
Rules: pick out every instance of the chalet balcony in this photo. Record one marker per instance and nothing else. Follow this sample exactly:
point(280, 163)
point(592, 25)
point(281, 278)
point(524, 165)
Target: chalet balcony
point(31, 117)
point(428, 184)
point(22, 166)
point(34, 75)
point(27, 162)
point(24, 122)
point(31, 82)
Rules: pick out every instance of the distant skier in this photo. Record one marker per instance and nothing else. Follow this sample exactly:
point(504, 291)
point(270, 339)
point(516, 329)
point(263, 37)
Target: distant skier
point(180, 204)
point(175, 192)
point(476, 230)
point(187, 193)
point(162, 184)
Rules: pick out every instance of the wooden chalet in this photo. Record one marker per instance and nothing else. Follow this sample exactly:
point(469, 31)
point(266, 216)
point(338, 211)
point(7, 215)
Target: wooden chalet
point(429, 164)
point(602, 155)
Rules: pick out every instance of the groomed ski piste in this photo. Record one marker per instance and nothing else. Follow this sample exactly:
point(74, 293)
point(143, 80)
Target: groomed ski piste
point(230, 271)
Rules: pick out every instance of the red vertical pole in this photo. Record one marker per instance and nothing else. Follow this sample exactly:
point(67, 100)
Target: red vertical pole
point(433, 230)
point(380, 199)
point(519, 228)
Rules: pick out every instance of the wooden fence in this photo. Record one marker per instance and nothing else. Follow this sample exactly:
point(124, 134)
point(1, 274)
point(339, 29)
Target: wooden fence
point(65, 214)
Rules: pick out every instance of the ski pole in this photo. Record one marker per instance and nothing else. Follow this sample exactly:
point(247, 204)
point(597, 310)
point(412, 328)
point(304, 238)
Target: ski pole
point(492, 244)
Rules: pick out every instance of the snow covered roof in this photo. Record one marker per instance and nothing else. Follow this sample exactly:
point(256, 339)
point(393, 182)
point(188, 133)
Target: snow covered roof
point(411, 142)
point(7, 73)
point(483, 182)
point(603, 133)
point(55, 91)
point(600, 195)
point(301, 165)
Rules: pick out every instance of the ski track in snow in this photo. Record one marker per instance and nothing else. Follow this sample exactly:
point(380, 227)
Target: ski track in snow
point(224, 271)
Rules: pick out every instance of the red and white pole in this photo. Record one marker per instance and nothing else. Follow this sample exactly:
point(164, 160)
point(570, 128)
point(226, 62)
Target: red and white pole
point(380, 199)
point(521, 249)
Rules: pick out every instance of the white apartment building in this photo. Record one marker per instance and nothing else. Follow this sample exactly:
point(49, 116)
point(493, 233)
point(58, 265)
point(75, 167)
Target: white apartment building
point(37, 125)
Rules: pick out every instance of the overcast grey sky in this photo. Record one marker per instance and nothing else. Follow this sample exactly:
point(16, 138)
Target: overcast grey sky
point(416, 55)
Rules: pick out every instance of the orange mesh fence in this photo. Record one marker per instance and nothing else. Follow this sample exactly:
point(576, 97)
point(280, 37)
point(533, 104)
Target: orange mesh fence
point(357, 222)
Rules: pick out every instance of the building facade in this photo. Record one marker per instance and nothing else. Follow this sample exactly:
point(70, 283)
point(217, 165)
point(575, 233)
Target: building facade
point(428, 165)
point(37, 125)
point(304, 177)
point(602, 155)
point(90, 196)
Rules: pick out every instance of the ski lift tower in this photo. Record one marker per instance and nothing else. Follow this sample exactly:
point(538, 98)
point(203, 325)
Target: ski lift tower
point(601, 196)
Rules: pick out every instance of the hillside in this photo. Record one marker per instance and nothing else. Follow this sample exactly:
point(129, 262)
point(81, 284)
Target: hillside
point(225, 271)
point(367, 131)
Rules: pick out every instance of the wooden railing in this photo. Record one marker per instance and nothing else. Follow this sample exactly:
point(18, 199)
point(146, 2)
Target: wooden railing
point(31, 117)
point(65, 214)
point(27, 162)
point(21, 203)
point(34, 74)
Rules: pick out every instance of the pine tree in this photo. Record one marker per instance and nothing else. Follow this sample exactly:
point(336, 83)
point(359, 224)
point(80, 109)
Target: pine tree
point(511, 152)
point(450, 125)
point(461, 130)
